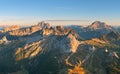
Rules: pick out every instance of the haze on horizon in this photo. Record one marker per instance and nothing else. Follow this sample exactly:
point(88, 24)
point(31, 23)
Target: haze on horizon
point(29, 12)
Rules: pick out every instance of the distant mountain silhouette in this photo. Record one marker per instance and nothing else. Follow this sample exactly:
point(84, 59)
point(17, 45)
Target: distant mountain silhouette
point(99, 25)
point(96, 29)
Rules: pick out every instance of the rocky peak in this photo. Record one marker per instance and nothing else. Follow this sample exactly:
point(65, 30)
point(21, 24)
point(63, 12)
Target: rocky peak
point(11, 28)
point(64, 43)
point(73, 44)
point(60, 31)
point(4, 40)
point(43, 25)
point(30, 30)
point(99, 25)
point(61, 43)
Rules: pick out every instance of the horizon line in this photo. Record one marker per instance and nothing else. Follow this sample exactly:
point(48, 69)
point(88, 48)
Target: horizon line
point(68, 20)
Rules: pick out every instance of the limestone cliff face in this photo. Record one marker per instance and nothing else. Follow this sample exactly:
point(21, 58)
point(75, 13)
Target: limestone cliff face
point(11, 28)
point(63, 43)
point(63, 38)
point(60, 31)
point(47, 31)
point(4, 40)
point(21, 32)
point(73, 44)
point(99, 25)
point(28, 51)
point(29, 30)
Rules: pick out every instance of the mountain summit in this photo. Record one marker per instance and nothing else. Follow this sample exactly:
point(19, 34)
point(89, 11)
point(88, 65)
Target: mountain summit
point(99, 25)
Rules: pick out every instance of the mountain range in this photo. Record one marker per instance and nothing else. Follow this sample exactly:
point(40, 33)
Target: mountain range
point(46, 49)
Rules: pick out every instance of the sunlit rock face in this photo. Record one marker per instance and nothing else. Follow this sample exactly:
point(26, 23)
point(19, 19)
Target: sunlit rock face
point(28, 51)
point(73, 43)
point(29, 30)
point(64, 44)
point(99, 25)
point(44, 25)
point(59, 50)
point(4, 40)
point(61, 39)
point(76, 70)
point(61, 36)
point(11, 28)
point(47, 32)
point(60, 31)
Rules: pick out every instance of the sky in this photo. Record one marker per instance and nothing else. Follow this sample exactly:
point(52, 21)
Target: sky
point(29, 12)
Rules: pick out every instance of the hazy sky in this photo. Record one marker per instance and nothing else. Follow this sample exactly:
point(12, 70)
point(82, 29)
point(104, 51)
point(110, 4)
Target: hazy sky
point(32, 11)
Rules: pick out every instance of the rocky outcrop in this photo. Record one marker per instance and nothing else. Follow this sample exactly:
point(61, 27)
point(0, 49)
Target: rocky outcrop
point(11, 28)
point(44, 25)
point(30, 30)
point(73, 43)
point(60, 31)
point(76, 70)
point(4, 40)
point(99, 25)
point(64, 44)
point(28, 51)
